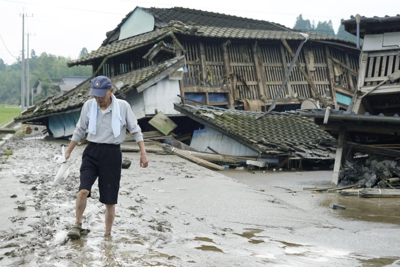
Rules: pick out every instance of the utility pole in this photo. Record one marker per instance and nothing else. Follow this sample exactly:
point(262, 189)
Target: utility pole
point(27, 72)
point(23, 66)
point(23, 76)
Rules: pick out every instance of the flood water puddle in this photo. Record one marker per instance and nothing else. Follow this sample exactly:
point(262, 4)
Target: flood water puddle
point(380, 262)
point(249, 233)
point(209, 248)
point(204, 239)
point(380, 210)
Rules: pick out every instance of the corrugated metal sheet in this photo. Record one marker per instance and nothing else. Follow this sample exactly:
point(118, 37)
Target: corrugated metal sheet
point(161, 97)
point(219, 142)
point(63, 124)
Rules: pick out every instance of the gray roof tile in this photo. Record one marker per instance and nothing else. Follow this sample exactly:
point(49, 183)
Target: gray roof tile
point(75, 98)
point(201, 31)
point(272, 133)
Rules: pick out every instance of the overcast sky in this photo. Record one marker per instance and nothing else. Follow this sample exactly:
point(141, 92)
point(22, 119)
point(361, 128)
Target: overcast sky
point(63, 28)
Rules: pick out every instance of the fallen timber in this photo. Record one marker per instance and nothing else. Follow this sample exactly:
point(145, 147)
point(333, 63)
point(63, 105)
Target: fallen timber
point(218, 158)
point(188, 156)
point(371, 193)
point(7, 130)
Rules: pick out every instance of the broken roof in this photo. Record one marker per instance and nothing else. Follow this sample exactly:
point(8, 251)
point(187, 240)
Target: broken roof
point(199, 31)
point(276, 133)
point(74, 99)
point(198, 17)
point(372, 25)
point(362, 123)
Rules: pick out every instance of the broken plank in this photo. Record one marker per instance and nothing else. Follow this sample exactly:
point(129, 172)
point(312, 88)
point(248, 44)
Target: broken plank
point(379, 193)
point(188, 156)
point(162, 123)
point(7, 130)
point(329, 188)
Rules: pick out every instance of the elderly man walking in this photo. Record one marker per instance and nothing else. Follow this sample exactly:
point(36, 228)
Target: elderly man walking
point(106, 119)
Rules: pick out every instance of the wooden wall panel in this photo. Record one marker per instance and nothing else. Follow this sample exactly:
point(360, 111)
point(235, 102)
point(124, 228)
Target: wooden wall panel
point(243, 69)
point(193, 76)
point(214, 64)
point(274, 62)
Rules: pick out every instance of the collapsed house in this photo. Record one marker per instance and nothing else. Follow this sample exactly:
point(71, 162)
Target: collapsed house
point(368, 131)
point(277, 139)
point(157, 57)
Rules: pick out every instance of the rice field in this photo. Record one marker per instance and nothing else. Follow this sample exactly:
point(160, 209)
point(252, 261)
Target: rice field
point(8, 113)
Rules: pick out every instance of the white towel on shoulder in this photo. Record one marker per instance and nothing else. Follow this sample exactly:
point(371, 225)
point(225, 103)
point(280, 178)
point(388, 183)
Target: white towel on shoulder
point(116, 120)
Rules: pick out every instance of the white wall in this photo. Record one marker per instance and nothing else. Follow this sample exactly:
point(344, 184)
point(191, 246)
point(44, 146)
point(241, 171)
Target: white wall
point(160, 97)
point(139, 22)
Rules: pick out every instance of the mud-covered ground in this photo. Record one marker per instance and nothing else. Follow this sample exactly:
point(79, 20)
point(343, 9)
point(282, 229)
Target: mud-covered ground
point(176, 213)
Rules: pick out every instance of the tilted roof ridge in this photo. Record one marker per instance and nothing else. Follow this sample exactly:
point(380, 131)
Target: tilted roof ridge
point(217, 15)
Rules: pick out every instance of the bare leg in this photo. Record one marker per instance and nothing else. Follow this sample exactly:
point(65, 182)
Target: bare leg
point(110, 215)
point(81, 201)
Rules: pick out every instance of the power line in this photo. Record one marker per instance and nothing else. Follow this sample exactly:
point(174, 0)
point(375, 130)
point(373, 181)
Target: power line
point(7, 47)
point(62, 7)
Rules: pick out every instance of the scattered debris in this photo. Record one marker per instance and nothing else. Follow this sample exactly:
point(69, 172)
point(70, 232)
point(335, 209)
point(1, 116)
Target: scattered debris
point(126, 163)
point(188, 156)
point(337, 207)
point(371, 192)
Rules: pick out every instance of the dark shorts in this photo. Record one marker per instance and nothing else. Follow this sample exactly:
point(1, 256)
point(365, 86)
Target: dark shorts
point(102, 161)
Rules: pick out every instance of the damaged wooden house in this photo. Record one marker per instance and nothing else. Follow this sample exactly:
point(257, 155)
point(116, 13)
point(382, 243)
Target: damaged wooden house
point(368, 131)
point(157, 57)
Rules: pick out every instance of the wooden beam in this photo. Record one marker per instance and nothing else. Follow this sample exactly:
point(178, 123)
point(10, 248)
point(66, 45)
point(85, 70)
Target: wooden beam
point(7, 130)
point(351, 127)
point(343, 91)
point(203, 62)
point(199, 89)
point(186, 155)
point(339, 156)
point(228, 75)
point(285, 68)
point(181, 83)
point(331, 77)
point(310, 82)
point(310, 66)
point(353, 72)
point(259, 70)
point(160, 76)
point(374, 150)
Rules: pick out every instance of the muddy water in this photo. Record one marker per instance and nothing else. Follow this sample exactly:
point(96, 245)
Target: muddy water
point(176, 213)
point(380, 210)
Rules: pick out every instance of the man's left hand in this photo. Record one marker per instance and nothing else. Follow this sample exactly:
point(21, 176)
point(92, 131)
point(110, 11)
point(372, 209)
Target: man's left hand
point(144, 162)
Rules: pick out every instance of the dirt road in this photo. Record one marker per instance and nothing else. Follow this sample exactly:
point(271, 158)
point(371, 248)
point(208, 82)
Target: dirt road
point(176, 213)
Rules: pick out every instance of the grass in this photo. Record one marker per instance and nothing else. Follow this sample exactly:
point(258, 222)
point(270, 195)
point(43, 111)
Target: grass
point(8, 113)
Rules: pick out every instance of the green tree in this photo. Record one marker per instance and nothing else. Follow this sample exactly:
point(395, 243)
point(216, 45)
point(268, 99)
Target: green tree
point(83, 52)
point(325, 28)
point(303, 24)
point(33, 53)
point(2, 65)
point(44, 67)
point(342, 33)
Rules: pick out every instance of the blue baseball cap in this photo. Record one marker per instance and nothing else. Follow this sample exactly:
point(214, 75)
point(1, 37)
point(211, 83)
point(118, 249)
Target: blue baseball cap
point(100, 85)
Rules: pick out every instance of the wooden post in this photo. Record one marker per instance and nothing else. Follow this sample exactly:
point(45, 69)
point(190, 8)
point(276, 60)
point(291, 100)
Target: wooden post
point(203, 62)
point(331, 77)
point(339, 155)
point(349, 76)
point(309, 80)
point(178, 52)
point(356, 103)
point(310, 68)
point(285, 68)
point(259, 70)
point(111, 63)
point(228, 75)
